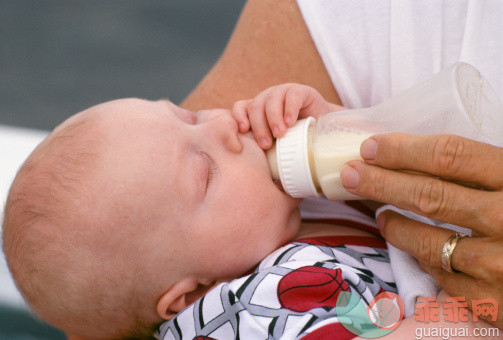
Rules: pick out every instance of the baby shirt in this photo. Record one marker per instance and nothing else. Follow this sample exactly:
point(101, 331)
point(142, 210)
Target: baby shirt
point(291, 295)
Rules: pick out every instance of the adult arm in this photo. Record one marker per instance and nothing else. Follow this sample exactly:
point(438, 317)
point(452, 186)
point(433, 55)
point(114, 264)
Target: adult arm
point(462, 184)
point(270, 45)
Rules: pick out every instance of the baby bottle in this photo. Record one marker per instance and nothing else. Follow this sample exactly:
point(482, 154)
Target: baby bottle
point(308, 159)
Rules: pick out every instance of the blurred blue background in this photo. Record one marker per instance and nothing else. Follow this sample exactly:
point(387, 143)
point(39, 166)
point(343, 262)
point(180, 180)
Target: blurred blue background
point(58, 57)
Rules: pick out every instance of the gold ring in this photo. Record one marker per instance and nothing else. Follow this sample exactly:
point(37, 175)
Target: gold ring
point(448, 250)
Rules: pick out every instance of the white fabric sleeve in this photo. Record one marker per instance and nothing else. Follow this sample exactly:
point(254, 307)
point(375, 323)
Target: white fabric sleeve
point(412, 281)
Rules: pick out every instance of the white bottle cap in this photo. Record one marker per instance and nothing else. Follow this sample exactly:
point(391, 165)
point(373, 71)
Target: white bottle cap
point(293, 160)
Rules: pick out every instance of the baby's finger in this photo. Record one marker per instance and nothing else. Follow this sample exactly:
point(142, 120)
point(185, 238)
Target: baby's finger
point(294, 100)
point(274, 107)
point(258, 122)
point(240, 114)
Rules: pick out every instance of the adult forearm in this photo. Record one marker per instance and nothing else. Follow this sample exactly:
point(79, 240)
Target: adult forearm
point(270, 45)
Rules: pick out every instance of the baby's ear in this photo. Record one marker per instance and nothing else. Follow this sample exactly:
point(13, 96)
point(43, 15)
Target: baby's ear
point(181, 295)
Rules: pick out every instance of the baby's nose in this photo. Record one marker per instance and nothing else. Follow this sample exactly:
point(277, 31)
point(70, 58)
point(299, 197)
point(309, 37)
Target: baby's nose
point(222, 126)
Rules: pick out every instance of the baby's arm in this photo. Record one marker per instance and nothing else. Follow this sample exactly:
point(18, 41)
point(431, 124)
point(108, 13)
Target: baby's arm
point(272, 111)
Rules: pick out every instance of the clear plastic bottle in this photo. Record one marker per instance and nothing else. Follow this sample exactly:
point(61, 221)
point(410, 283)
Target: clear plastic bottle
point(309, 158)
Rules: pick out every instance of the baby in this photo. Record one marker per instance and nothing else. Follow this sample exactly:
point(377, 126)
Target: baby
point(131, 210)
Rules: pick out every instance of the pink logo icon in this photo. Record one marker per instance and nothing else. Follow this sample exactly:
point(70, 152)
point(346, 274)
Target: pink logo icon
point(485, 307)
point(386, 310)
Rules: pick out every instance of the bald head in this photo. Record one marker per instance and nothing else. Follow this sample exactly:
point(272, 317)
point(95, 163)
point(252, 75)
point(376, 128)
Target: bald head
point(117, 206)
point(73, 236)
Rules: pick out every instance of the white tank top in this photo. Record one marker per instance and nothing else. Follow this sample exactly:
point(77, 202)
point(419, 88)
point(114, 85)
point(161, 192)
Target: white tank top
point(375, 49)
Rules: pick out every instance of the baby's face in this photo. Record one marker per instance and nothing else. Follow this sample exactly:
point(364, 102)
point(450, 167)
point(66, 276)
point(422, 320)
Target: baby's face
point(205, 187)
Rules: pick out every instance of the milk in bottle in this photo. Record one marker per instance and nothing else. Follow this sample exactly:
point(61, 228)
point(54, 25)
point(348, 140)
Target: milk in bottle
point(309, 158)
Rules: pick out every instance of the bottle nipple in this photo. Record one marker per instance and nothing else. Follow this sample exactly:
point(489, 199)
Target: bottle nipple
point(272, 159)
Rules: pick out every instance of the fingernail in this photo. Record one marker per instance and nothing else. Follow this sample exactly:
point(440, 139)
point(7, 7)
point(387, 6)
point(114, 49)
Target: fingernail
point(264, 142)
point(288, 119)
point(368, 149)
point(349, 177)
point(275, 130)
point(242, 126)
point(380, 220)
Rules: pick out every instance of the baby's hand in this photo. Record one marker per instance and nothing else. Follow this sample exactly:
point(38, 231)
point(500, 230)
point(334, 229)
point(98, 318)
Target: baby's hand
point(276, 109)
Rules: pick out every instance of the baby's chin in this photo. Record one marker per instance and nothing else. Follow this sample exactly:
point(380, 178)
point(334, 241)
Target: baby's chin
point(294, 223)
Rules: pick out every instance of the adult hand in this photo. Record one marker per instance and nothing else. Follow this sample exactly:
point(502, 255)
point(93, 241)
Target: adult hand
point(453, 180)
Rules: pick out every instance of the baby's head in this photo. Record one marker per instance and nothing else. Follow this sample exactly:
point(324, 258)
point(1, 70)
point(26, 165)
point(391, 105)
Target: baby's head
point(132, 209)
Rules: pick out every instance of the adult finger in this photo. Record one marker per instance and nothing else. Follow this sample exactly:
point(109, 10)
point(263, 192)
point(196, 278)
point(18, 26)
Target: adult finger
point(425, 243)
point(240, 115)
point(473, 289)
point(427, 196)
point(447, 156)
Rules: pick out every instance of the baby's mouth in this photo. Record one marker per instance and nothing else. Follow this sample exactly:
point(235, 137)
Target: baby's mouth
point(278, 184)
